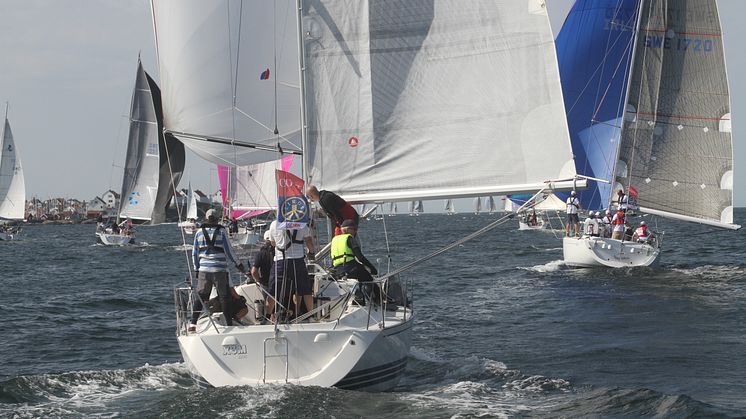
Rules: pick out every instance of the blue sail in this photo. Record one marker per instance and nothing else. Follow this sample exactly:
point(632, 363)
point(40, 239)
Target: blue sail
point(594, 49)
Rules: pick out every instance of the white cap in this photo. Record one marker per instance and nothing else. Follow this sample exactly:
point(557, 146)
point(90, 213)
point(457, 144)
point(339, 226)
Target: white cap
point(211, 213)
point(266, 235)
point(572, 193)
point(642, 223)
point(608, 212)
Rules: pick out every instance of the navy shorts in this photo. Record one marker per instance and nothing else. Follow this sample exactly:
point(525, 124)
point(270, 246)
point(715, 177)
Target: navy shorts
point(295, 277)
point(573, 218)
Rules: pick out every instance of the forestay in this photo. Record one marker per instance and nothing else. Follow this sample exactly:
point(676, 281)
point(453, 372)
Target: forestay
point(12, 184)
point(676, 145)
point(404, 97)
point(142, 162)
point(222, 65)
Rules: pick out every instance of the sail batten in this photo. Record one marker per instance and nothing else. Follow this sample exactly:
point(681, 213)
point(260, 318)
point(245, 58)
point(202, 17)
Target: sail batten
point(403, 97)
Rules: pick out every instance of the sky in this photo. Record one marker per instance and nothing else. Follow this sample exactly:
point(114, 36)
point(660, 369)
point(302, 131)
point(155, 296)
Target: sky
point(68, 68)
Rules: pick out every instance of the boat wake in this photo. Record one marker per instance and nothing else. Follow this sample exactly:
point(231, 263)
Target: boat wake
point(84, 393)
point(475, 386)
point(713, 271)
point(552, 266)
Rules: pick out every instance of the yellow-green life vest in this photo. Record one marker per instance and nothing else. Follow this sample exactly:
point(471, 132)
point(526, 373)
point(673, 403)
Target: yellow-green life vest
point(341, 253)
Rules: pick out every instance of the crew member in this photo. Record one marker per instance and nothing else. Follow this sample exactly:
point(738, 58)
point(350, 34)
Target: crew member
point(336, 208)
point(289, 272)
point(618, 225)
point(347, 257)
point(573, 205)
point(642, 235)
point(590, 226)
point(210, 253)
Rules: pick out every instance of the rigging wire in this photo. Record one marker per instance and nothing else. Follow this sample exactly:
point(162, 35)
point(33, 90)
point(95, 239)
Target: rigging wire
point(489, 227)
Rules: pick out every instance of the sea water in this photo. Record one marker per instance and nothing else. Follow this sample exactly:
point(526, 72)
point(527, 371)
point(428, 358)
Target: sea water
point(503, 328)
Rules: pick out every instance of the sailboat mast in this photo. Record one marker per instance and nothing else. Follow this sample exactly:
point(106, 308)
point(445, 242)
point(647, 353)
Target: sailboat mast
point(626, 100)
point(301, 71)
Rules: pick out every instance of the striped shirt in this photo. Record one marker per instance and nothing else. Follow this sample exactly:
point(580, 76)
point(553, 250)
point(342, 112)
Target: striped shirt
point(212, 260)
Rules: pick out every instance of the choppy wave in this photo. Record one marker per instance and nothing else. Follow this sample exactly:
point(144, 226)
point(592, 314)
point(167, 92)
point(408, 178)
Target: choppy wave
point(84, 392)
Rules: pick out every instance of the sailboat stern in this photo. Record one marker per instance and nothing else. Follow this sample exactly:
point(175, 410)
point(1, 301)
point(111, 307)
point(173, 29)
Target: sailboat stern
point(303, 354)
point(591, 252)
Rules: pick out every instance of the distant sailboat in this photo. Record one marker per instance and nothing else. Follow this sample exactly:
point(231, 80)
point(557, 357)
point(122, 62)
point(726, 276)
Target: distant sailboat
point(392, 209)
point(415, 208)
point(450, 207)
point(477, 205)
point(12, 184)
point(666, 128)
point(153, 165)
point(190, 224)
point(490, 204)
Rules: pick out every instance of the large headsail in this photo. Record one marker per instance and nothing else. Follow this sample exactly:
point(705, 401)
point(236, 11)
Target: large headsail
point(229, 74)
point(676, 146)
point(252, 188)
point(142, 162)
point(594, 50)
point(403, 97)
point(12, 184)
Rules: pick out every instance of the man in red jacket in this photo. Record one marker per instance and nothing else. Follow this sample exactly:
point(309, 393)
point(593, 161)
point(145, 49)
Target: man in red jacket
point(336, 208)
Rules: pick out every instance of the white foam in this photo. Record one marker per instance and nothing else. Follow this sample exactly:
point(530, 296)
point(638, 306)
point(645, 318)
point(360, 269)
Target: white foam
point(552, 266)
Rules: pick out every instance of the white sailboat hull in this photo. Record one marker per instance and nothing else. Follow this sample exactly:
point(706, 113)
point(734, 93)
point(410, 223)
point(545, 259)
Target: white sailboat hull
point(604, 252)
point(8, 236)
point(188, 227)
point(247, 239)
point(319, 355)
point(525, 226)
point(114, 239)
point(352, 347)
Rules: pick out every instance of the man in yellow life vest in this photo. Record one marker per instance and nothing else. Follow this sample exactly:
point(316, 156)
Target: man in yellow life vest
point(347, 258)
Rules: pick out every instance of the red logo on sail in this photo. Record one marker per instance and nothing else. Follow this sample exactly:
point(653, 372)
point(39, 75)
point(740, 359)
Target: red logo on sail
point(264, 75)
point(632, 191)
point(353, 141)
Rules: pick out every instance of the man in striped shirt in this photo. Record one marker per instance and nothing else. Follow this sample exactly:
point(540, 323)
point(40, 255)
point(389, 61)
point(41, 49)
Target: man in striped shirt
point(211, 253)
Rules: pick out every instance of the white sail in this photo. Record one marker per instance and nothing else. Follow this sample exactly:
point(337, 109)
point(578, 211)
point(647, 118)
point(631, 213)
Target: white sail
point(676, 152)
point(450, 207)
point(254, 187)
point(490, 204)
point(191, 213)
point(222, 65)
point(142, 162)
point(404, 97)
point(12, 184)
point(477, 205)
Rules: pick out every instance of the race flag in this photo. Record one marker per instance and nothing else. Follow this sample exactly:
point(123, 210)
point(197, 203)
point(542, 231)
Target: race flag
point(264, 75)
point(293, 211)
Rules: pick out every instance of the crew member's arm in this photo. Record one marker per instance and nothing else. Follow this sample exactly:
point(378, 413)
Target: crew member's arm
point(355, 246)
point(254, 269)
point(195, 251)
point(309, 245)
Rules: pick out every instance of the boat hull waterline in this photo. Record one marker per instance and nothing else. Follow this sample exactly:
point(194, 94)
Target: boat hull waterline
point(605, 252)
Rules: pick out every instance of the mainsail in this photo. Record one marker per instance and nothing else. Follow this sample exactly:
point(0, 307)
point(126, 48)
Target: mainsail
point(676, 146)
point(142, 164)
point(12, 184)
point(402, 97)
point(229, 73)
